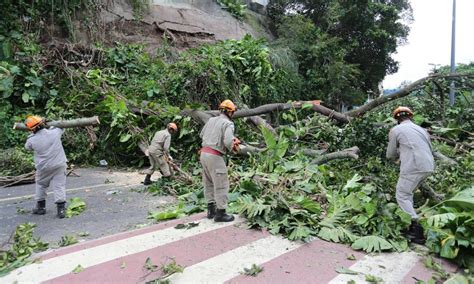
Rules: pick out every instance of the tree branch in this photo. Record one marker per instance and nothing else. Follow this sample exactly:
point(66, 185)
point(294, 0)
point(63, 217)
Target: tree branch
point(400, 93)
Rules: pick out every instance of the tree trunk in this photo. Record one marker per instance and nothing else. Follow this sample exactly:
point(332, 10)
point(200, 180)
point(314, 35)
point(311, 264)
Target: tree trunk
point(79, 122)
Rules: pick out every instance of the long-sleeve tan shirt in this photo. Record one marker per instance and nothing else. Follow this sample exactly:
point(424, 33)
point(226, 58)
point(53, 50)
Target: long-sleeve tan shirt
point(411, 143)
point(218, 133)
point(161, 142)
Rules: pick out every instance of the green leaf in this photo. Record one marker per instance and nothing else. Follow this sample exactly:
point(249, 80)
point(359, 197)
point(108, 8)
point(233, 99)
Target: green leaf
point(250, 187)
point(125, 137)
point(25, 97)
point(75, 207)
point(270, 140)
point(307, 106)
point(448, 248)
point(78, 269)
point(149, 265)
point(463, 200)
point(371, 244)
point(343, 270)
point(373, 279)
point(254, 270)
point(440, 220)
point(299, 232)
point(67, 240)
point(293, 166)
point(353, 182)
point(309, 204)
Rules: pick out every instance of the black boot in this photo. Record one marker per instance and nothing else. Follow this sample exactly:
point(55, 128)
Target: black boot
point(147, 180)
point(221, 216)
point(415, 233)
point(61, 209)
point(211, 210)
point(40, 208)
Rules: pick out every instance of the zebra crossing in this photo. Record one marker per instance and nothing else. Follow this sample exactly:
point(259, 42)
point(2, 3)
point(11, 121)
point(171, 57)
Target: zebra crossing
point(214, 253)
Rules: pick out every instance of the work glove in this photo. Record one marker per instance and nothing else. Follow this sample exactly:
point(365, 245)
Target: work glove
point(235, 144)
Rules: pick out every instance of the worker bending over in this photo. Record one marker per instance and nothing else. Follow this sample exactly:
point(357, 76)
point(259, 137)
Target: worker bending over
point(158, 153)
point(411, 144)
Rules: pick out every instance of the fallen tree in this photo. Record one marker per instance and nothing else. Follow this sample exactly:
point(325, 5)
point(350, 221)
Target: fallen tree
point(203, 116)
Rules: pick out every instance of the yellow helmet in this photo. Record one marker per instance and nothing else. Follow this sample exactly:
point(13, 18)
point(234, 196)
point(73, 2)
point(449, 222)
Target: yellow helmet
point(401, 110)
point(33, 121)
point(227, 105)
point(173, 126)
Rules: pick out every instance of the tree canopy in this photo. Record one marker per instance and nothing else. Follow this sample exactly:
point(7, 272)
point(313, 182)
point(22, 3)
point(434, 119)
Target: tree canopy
point(348, 43)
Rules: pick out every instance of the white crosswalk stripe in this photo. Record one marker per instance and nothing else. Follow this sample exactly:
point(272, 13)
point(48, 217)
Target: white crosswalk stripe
point(228, 265)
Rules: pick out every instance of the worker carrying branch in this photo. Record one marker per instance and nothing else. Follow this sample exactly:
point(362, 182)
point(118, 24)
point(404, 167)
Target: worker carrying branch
point(411, 144)
point(158, 153)
point(218, 139)
point(50, 164)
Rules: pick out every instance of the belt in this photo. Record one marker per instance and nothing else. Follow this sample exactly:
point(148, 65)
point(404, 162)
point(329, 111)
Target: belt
point(209, 150)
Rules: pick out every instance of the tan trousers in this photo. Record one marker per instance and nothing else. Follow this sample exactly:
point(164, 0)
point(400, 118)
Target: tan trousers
point(158, 160)
point(215, 179)
point(405, 187)
point(55, 179)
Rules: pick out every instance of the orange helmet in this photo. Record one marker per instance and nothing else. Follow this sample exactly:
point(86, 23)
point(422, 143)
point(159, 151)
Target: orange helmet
point(401, 110)
point(227, 105)
point(33, 121)
point(173, 126)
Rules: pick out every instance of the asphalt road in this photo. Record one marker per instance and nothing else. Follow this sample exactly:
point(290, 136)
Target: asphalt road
point(114, 204)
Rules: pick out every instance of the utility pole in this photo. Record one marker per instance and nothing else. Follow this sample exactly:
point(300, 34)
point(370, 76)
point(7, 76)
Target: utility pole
point(452, 88)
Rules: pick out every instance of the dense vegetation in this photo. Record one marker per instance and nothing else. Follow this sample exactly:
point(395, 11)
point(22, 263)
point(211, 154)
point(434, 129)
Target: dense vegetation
point(135, 93)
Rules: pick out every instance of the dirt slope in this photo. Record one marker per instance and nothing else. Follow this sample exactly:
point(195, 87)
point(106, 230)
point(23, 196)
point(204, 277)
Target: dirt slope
point(185, 23)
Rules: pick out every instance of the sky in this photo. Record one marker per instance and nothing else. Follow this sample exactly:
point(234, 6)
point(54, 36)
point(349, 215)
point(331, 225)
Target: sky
point(429, 40)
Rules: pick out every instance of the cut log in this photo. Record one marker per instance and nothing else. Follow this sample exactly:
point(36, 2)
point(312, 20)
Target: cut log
point(350, 153)
point(80, 122)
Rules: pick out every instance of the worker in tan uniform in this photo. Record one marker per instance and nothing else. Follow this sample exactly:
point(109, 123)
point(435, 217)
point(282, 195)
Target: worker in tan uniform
point(412, 145)
point(159, 153)
point(217, 140)
point(50, 164)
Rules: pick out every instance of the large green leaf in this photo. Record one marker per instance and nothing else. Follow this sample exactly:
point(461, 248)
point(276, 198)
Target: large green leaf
point(463, 200)
point(75, 207)
point(336, 235)
point(449, 248)
point(371, 244)
point(440, 220)
point(299, 232)
point(270, 140)
point(308, 204)
point(353, 182)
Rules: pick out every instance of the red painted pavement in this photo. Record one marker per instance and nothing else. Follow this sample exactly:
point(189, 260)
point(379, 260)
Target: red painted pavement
point(314, 262)
point(186, 252)
point(121, 236)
